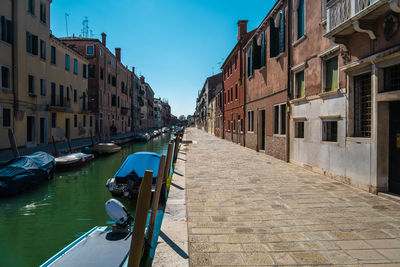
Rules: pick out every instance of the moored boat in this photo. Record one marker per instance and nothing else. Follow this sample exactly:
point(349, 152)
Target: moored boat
point(127, 179)
point(106, 148)
point(24, 172)
point(73, 160)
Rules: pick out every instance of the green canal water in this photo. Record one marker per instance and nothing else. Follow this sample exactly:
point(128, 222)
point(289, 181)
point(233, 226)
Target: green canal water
point(36, 224)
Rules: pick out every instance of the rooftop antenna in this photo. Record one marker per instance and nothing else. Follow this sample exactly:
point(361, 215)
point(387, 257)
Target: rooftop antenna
point(85, 28)
point(66, 22)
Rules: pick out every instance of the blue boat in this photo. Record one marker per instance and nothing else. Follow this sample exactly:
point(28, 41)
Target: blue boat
point(25, 172)
point(103, 246)
point(127, 180)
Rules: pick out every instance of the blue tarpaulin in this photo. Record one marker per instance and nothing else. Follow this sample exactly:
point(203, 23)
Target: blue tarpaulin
point(139, 162)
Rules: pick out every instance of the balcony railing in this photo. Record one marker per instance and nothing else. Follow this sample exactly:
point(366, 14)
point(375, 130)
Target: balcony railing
point(60, 103)
point(346, 12)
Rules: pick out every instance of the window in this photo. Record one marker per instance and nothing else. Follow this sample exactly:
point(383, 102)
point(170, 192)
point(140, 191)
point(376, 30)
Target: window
point(263, 49)
point(362, 105)
point(6, 30)
point(89, 50)
point(101, 52)
point(250, 122)
point(113, 100)
point(53, 94)
point(299, 129)
point(274, 39)
point(75, 121)
point(280, 119)
point(392, 78)
point(90, 121)
point(66, 62)
point(85, 71)
point(31, 85)
point(108, 99)
point(5, 77)
point(53, 55)
point(236, 61)
point(282, 32)
point(53, 120)
point(68, 96)
point(108, 60)
point(299, 86)
point(43, 13)
point(236, 92)
point(113, 81)
point(42, 49)
point(75, 66)
point(31, 6)
point(331, 74)
point(101, 97)
point(84, 120)
point(300, 22)
point(101, 73)
point(75, 96)
point(32, 43)
point(109, 78)
point(42, 87)
point(92, 71)
point(329, 131)
point(6, 117)
point(250, 70)
point(118, 101)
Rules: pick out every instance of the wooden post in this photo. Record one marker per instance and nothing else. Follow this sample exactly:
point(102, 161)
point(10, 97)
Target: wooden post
point(13, 143)
point(91, 137)
point(156, 199)
point(54, 146)
point(142, 208)
point(168, 163)
point(176, 147)
point(69, 145)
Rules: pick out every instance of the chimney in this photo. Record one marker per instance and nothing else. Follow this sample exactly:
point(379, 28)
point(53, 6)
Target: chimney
point(103, 38)
point(142, 79)
point(118, 54)
point(133, 70)
point(242, 28)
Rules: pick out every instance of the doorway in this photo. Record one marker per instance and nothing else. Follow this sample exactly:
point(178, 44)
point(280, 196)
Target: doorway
point(30, 130)
point(43, 131)
point(394, 148)
point(261, 130)
point(67, 128)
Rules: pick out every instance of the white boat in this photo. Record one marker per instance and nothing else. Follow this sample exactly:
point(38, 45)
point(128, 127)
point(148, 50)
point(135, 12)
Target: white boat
point(106, 148)
point(74, 159)
point(165, 129)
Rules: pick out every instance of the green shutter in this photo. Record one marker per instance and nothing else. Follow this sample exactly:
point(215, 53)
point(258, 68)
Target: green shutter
point(300, 19)
point(331, 66)
point(282, 32)
point(300, 84)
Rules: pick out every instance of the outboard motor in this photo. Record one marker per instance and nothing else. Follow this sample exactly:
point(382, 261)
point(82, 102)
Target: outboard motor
point(118, 213)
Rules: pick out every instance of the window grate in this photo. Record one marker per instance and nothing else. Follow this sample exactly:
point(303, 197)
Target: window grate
point(362, 105)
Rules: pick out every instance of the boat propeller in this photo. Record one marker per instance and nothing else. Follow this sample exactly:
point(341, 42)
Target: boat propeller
point(118, 213)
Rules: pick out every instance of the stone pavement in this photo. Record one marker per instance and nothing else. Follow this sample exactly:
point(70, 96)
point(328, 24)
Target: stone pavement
point(246, 208)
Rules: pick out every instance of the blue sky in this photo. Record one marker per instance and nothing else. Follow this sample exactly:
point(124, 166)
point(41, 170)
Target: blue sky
point(175, 44)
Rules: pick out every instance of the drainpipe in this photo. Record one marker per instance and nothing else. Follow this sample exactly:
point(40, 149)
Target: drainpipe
point(289, 64)
point(14, 76)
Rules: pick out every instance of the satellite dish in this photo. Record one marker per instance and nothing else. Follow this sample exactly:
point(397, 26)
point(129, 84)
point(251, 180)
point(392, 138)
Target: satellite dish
point(60, 133)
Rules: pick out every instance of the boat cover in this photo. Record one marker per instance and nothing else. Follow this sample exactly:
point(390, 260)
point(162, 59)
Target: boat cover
point(21, 172)
point(139, 162)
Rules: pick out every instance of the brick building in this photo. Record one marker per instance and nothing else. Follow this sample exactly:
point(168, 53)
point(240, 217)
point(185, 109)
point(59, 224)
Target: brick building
point(110, 85)
point(233, 77)
point(266, 83)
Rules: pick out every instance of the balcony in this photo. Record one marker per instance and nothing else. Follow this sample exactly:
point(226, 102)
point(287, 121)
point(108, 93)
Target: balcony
point(345, 17)
point(124, 110)
point(60, 104)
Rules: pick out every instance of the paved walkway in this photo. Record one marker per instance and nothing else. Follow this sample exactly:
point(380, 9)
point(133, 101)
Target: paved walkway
point(245, 208)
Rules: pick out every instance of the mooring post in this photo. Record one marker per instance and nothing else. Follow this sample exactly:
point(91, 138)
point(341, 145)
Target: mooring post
point(54, 147)
point(69, 145)
point(156, 199)
point(176, 147)
point(13, 143)
point(142, 209)
point(168, 163)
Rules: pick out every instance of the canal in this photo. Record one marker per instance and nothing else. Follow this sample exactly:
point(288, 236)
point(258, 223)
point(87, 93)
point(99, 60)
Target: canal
point(36, 224)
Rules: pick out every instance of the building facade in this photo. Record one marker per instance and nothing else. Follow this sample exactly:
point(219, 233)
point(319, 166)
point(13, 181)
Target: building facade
point(146, 104)
point(267, 84)
point(219, 111)
point(110, 83)
point(234, 78)
point(158, 113)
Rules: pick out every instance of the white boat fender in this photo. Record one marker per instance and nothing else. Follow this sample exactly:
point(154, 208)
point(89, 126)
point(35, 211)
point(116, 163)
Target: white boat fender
point(118, 213)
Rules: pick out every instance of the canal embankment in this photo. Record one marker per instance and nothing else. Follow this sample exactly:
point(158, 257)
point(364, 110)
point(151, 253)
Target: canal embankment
point(172, 248)
point(61, 147)
point(247, 208)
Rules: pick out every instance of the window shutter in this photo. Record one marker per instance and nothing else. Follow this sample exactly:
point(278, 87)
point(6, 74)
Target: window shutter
point(256, 55)
point(263, 50)
point(300, 23)
point(251, 60)
point(35, 41)
point(274, 39)
point(3, 28)
point(282, 32)
point(28, 42)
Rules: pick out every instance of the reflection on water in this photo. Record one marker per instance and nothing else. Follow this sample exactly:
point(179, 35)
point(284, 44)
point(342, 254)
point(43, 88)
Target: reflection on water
point(38, 223)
